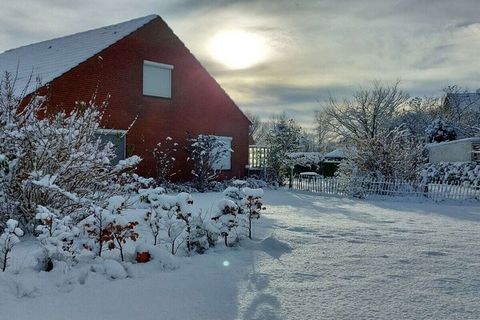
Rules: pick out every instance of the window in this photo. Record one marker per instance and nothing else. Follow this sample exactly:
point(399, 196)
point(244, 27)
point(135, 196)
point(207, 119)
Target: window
point(157, 79)
point(476, 152)
point(117, 138)
point(226, 162)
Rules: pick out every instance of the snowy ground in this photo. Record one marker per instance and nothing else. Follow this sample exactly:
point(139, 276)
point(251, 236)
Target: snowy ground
point(350, 259)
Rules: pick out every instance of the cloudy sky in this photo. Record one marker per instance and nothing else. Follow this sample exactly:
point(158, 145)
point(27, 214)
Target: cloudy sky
point(303, 51)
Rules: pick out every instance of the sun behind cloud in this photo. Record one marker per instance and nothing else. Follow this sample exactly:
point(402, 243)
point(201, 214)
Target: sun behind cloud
point(237, 49)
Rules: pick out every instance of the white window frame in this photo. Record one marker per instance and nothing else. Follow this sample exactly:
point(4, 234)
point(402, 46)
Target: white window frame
point(162, 66)
point(220, 166)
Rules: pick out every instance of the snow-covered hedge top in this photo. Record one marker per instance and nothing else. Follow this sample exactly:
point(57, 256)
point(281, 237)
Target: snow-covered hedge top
point(304, 159)
point(452, 171)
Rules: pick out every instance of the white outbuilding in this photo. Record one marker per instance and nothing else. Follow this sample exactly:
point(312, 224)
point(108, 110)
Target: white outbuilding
point(462, 150)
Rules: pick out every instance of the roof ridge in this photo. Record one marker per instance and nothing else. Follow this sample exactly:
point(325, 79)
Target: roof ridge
point(49, 59)
point(151, 16)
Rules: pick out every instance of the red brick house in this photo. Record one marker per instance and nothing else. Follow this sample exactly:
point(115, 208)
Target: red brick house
point(149, 75)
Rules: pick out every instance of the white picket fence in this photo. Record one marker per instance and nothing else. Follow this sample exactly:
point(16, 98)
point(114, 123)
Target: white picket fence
point(364, 187)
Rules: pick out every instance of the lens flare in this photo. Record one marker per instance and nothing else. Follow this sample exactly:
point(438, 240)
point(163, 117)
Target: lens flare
point(238, 49)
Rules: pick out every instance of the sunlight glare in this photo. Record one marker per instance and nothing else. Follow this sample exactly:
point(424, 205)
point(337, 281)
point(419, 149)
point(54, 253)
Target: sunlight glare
point(238, 49)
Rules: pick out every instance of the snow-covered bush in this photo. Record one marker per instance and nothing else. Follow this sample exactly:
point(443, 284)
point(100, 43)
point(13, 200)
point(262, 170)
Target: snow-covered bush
point(440, 131)
point(59, 238)
point(106, 226)
point(253, 205)
point(152, 218)
point(164, 154)
point(249, 205)
point(133, 183)
point(176, 215)
point(396, 155)
point(172, 219)
point(465, 172)
point(53, 159)
point(204, 235)
point(227, 220)
point(8, 239)
point(151, 196)
point(205, 152)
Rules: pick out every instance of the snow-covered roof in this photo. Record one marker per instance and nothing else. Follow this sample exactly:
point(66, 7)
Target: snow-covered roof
point(50, 59)
point(437, 144)
point(337, 153)
point(464, 100)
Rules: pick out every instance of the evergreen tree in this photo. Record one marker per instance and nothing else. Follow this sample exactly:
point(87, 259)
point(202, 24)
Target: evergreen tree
point(440, 131)
point(282, 139)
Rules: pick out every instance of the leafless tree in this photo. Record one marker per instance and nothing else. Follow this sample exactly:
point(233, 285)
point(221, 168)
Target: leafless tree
point(323, 129)
point(369, 113)
point(258, 129)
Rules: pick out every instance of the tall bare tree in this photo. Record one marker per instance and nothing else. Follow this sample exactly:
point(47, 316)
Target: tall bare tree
point(369, 113)
point(323, 129)
point(257, 129)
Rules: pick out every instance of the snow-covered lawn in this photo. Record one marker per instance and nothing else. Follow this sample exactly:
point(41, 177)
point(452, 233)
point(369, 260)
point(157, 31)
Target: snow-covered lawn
point(349, 259)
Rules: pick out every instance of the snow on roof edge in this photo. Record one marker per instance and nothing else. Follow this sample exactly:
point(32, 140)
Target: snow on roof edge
point(153, 16)
point(49, 59)
point(436, 144)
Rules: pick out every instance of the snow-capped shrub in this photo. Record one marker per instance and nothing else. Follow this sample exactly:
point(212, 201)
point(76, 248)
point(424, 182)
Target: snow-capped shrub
point(440, 131)
point(8, 239)
point(54, 159)
point(464, 172)
point(133, 183)
point(59, 238)
point(396, 155)
point(249, 205)
point(206, 151)
point(204, 235)
point(118, 232)
point(226, 220)
point(253, 205)
point(113, 269)
point(178, 220)
point(107, 227)
point(151, 196)
point(152, 218)
point(164, 154)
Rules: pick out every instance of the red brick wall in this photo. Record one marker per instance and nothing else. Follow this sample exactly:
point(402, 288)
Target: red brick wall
point(198, 104)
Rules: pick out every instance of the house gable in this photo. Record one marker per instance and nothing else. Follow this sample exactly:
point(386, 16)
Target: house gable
point(198, 105)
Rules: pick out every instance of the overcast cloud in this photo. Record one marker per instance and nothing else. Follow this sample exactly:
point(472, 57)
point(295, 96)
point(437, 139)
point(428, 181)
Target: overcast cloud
point(318, 47)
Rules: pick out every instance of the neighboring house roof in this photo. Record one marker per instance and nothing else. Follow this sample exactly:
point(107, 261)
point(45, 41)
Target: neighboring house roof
point(47, 60)
point(337, 153)
point(466, 100)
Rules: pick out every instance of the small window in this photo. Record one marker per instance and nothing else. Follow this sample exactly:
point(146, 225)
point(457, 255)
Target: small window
point(476, 152)
point(117, 138)
point(226, 162)
point(157, 79)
